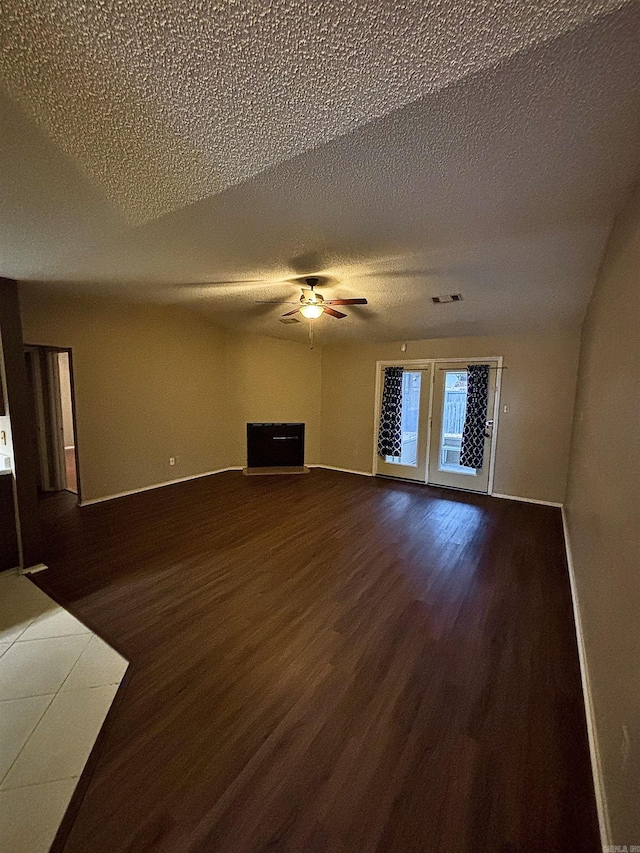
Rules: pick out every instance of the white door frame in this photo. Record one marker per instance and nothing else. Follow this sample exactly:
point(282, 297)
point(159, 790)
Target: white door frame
point(58, 458)
point(417, 363)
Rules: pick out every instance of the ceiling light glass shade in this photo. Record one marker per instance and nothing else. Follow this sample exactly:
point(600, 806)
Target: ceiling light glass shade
point(312, 312)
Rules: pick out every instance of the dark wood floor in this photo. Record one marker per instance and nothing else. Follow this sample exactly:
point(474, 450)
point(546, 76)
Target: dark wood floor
point(330, 663)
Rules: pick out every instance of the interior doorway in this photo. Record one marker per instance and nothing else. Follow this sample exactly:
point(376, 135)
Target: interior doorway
point(50, 372)
point(68, 430)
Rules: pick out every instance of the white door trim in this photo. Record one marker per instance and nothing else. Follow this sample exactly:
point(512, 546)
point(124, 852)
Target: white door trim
point(432, 362)
point(58, 459)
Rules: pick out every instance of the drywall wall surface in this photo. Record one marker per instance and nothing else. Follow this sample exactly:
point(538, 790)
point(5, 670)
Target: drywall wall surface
point(603, 513)
point(271, 380)
point(538, 385)
point(150, 384)
point(156, 382)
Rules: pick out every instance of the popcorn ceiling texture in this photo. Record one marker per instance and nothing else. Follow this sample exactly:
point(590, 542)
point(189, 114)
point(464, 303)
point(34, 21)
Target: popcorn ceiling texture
point(205, 155)
point(166, 103)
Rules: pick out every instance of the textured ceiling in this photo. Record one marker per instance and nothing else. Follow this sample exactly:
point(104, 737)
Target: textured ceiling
point(401, 149)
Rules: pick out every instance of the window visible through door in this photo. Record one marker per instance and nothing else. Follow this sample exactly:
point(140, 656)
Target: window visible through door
point(453, 415)
point(449, 411)
point(412, 462)
point(411, 386)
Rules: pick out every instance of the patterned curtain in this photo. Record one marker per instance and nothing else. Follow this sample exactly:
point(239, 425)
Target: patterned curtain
point(390, 429)
point(475, 422)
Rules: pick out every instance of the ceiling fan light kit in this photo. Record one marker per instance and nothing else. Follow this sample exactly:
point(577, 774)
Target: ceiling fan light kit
point(312, 312)
point(313, 305)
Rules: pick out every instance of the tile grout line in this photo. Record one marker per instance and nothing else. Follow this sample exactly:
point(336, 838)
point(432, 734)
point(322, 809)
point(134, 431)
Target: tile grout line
point(53, 696)
point(33, 695)
point(68, 675)
point(15, 640)
point(83, 638)
point(35, 784)
point(33, 731)
point(52, 637)
point(30, 696)
point(25, 744)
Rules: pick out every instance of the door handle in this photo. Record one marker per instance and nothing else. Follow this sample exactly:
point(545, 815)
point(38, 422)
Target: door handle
point(488, 427)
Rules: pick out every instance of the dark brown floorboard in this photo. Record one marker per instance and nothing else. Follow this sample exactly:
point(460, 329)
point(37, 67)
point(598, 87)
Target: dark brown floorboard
point(332, 664)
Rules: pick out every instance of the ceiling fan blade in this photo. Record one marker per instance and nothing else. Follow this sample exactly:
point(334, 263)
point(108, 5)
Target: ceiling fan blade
point(333, 313)
point(346, 302)
point(274, 302)
point(289, 313)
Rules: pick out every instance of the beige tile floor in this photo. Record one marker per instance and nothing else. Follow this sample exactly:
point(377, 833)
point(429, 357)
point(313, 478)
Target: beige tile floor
point(57, 683)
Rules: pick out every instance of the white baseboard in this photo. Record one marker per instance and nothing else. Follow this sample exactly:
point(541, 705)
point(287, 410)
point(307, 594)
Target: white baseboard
point(239, 468)
point(525, 500)
point(594, 749)
point(32, 570)
point(342, 470)
point(158, 485)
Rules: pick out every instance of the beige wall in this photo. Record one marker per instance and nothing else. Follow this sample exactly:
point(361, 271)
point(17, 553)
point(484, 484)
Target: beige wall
point(156, 381)
point(603, 512)
point(149, 383)
point(273, 380)
point(538, 385)
point(153, 382)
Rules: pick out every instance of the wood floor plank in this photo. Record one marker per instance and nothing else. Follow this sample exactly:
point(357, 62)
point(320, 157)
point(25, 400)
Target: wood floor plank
point(327, 663)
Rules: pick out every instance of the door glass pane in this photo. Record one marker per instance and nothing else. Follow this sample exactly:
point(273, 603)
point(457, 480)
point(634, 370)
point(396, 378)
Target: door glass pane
point(454, 409)
point(411, 380)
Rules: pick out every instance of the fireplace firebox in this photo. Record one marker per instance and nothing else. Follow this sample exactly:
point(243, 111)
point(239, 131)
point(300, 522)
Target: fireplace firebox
point(275, 445)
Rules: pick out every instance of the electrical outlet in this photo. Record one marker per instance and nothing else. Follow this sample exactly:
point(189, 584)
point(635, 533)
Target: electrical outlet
point(172, 460)
point(506, 409)
point(3, 437)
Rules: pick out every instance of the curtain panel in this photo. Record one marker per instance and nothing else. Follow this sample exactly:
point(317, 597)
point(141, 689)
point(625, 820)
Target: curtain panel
point(475, 422)
point(390, 427)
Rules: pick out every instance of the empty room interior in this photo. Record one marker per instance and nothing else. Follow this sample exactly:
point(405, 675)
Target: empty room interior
point(319, 426)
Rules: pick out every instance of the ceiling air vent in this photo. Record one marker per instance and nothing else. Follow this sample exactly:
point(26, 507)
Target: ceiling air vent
point(287, 320)
point(448, 297)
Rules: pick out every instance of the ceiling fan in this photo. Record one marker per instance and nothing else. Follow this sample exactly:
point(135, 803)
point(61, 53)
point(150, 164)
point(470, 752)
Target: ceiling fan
point(313, 305)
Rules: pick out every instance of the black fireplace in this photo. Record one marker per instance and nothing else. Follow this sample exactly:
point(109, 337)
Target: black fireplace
point(275, 445)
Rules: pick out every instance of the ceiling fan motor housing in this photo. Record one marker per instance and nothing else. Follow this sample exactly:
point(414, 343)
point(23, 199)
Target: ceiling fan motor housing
point(310, 297)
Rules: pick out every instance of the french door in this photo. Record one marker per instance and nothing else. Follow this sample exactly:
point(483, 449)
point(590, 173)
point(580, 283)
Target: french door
point(447, 422)
point(412, 463)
